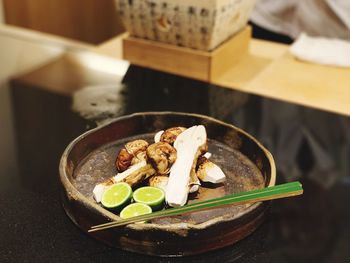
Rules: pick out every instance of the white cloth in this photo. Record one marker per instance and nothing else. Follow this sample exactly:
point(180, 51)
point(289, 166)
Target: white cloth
point(328, 18)
point(319, 50)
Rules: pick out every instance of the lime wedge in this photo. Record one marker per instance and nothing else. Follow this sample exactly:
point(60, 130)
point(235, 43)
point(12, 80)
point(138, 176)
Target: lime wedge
point(135, 209)
point(149, 195)
point(117, 196)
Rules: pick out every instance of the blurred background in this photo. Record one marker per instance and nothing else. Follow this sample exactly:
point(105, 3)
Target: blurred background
point(90, 21)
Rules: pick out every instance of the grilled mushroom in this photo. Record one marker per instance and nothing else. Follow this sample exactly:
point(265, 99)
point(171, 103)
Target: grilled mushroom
point(208, 171)
point(188, 161)
point(136, 146)
point(161, 155)
point(123, 160)
point(129, 152)
point(141, 156)
point(170, 135)
point(133, 175)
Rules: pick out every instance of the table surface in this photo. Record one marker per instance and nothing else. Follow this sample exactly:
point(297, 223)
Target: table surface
point(35, 228)
point(268, 69)
point(37, 123)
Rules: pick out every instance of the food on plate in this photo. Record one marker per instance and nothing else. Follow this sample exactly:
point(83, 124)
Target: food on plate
point(131, 176)
point(158, 135)
point(160, 181)
point(189, 144)
point(136, 173)
point(194, 183)
point(176, 163)
point(161, 156)
point(135, 209)
point(207, 171)
point(170, 135)
point(133, 152)
point(116, 196)
point(152, 196)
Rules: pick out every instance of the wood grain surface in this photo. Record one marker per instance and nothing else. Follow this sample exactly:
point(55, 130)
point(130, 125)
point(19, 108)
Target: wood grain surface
point(268, 69)
point(91, 21)
point(318, 86)
point(187, 62)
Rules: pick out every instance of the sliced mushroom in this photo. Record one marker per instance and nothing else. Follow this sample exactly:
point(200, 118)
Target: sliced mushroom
point(209, 172)
point(189, 145)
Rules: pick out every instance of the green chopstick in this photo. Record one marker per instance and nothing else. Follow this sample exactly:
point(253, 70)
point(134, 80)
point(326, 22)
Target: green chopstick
point(269, 193)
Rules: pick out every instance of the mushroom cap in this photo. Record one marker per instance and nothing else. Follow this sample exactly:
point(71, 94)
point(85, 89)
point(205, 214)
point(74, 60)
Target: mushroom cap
point(161, 156)
point(170, 135)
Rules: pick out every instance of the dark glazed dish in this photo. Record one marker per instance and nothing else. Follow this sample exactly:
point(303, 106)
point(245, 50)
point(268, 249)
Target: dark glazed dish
point(89, 159)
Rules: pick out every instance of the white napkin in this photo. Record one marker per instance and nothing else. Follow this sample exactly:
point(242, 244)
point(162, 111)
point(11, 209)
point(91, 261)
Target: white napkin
point(319, 50)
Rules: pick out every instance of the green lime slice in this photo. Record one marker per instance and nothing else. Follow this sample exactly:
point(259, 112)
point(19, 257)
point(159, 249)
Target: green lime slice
point(116, 196)
point(135, 209)
point(149, 195)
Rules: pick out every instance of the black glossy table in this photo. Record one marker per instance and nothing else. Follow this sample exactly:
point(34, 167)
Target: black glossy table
point(309, 145)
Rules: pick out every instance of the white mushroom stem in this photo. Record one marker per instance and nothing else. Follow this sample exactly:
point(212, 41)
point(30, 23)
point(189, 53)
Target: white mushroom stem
point(143, 172)
point(207, 155)
point(157, 136)
point(132, 169)
point(210, 172)
point(99, 190)
point(187, 144)
point(194, 183)
point(194, 188)
point(132, 175)
point(161, 181)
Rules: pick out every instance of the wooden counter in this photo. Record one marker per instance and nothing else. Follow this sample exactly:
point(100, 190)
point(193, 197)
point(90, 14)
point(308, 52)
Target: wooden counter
point(268, 70)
